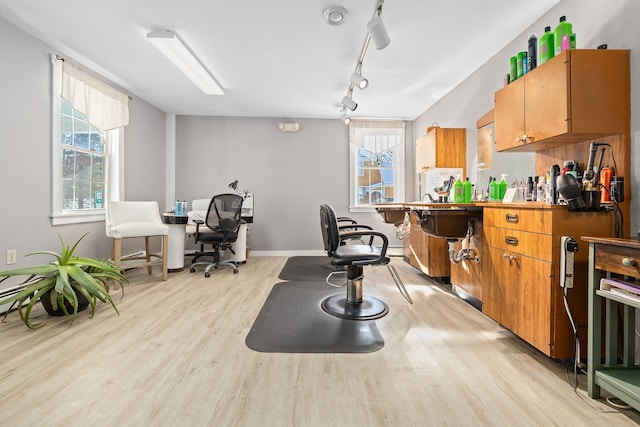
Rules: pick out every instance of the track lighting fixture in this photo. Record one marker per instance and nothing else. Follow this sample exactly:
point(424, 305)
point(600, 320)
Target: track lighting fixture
point(358, 81)
point(343, 116)
point(378, 32)
point(349, 103)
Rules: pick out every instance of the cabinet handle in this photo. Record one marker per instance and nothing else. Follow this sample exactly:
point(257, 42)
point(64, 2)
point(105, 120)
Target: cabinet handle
point(510, 257)
point(513, 218)
point(628, 262)
point(510, 240)
point(518, 139)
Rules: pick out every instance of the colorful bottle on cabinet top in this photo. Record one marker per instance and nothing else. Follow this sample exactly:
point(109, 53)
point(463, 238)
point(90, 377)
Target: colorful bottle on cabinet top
point(532, 52)
point(561, 35)
point(546, 46)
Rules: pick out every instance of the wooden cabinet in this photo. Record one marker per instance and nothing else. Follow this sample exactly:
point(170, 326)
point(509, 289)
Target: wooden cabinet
point(442, 148)
point(615, 370)
point(577, 95)
point(522, 289)
point(426, 253)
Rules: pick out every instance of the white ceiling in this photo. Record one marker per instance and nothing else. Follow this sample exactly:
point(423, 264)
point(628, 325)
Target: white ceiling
point(279, 58)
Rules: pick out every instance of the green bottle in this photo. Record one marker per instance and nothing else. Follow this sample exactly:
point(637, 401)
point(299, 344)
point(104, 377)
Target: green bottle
point(458, 191)
point(546, 50)
point(466, 191)
point(502, 186)
point(494, 191)
point(561, 35)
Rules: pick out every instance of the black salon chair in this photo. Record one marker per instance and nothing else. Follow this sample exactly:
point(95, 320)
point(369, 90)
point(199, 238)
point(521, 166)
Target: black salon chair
point(220, 229)
point(353, 305)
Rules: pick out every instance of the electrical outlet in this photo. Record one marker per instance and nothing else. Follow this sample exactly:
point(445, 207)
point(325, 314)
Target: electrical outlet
point(11, 256)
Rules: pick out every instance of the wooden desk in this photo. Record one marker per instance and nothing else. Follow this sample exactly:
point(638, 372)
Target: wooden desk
point(619, 376)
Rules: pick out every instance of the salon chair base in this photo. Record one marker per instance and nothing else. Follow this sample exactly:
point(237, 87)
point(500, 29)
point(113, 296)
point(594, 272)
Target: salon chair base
point(370, 308)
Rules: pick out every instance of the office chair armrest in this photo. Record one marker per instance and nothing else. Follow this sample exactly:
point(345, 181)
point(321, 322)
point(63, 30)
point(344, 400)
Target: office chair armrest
point(346, 219)
point(372, 234)
point(355, 227)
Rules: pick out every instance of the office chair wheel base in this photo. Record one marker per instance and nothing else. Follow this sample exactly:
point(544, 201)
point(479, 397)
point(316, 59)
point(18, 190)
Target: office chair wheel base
point(370, 308)
point(207, 274)
point(192, 270)
point(235, 271)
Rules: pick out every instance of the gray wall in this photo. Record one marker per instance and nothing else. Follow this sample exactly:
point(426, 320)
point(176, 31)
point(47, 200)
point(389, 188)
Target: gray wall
point(25, 155)
point(616, 23)
point(290, 174)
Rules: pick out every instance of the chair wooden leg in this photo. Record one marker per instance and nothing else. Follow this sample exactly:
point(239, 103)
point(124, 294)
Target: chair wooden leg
point(165, 255)
point(146, 249)
point(116, 254)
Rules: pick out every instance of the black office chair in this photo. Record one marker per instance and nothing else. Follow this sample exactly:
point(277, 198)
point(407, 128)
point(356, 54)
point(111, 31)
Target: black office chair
point(353, 305)
point(222, 224)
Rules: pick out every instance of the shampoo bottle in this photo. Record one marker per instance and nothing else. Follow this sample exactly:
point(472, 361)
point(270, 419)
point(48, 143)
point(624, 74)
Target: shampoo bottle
point(532, 52)
point(494, 192)
point(502, 186)
point(561, 35)
point(546, 46)
point(458, 191)
point(466, 191)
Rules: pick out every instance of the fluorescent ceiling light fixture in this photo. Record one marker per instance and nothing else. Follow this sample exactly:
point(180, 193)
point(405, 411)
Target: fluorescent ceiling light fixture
point(172, 47)
point(349, 103)
point(359, 81)
point(378, 32)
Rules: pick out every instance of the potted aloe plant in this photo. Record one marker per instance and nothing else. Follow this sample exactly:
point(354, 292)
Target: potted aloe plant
point(66, 285)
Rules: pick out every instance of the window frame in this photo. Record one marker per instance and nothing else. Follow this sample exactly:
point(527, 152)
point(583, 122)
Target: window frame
point(399, 175)
point(114, 162)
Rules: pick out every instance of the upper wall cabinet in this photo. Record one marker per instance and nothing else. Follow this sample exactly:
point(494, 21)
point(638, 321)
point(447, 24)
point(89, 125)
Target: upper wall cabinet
point(576, 96)
point(441, 148)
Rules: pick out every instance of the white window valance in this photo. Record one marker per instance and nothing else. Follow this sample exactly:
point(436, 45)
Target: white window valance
point(376, 136)
point(105, 107)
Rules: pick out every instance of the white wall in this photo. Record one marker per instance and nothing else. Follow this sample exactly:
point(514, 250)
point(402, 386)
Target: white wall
point(616, 23)
point(25, 155)
point(290, 174)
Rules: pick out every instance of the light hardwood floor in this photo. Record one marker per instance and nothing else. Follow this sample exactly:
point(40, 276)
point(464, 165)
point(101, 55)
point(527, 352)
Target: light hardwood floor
point(176, 357)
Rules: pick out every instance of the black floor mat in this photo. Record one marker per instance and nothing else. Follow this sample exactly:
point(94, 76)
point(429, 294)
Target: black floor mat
point(307, 268)
point(292, 321)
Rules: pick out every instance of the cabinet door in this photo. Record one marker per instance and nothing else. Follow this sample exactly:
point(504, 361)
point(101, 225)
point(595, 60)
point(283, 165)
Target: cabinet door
point(509, 115)
point(500, 299)
point(534, 300)
point(426, 151)
point(546, 101)
point(424, 159)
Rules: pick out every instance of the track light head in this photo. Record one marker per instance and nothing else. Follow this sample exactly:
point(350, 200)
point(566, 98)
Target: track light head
point(358, 81)
point(378, 32)
point(346, 119)
point(349, 103)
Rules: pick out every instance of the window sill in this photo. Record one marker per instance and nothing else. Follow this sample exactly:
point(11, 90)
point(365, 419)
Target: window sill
point(77, 217)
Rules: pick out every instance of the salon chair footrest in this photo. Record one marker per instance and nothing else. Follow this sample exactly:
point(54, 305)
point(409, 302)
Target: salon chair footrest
point(370, 308)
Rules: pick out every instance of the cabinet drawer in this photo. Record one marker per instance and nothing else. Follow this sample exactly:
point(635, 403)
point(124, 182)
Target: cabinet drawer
point(537, 220)
point(618, 259)
point(535, 245)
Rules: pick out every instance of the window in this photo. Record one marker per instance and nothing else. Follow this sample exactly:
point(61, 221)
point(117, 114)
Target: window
point(85, 161)
point(376, 163)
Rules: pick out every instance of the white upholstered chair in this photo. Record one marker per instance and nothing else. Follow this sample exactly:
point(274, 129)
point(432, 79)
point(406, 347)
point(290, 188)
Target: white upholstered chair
point(126, 220)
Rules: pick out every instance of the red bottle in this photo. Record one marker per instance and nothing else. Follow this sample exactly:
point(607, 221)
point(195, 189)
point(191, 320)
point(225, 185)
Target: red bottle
point(606, 173)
